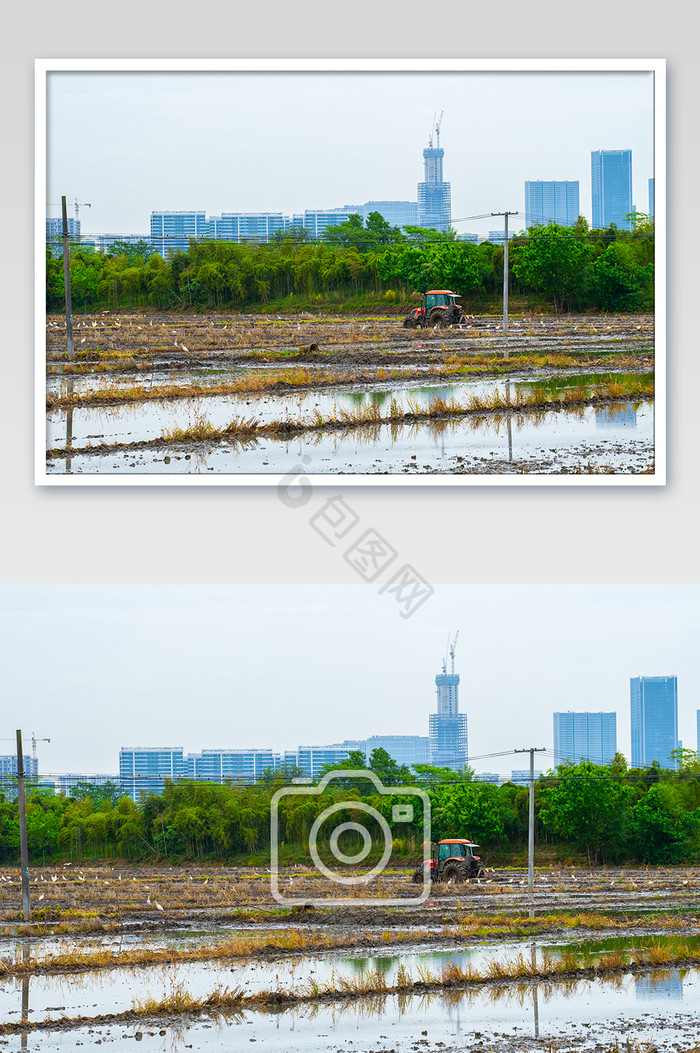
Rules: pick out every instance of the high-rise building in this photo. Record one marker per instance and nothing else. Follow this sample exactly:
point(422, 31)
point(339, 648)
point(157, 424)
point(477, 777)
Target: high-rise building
point(654, 720)
point(404, 749)
point(245, 226)
point(448, 746)
point(397, 213)
point(611, 188)
point(310, 759)
point(551, 201)
point(67, 783)
point(316, 221)
point(171, 231)
point(8, 773)
point(238, 765)
point(585, 736)
point(521, 776)
point(54, 227)
point(651, 198)
point(434, 194)
point(144, 769)
point(54, 234)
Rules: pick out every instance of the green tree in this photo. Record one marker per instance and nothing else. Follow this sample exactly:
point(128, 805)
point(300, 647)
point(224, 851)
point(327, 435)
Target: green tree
point(98, 793)
point(587, 807)
point(663, 831)
point(554, 262)
point(468, 810)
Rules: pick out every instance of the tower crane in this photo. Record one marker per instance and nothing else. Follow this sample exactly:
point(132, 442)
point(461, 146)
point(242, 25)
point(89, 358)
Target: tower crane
point(453, 647)
point(450, 650)
point(437, 128)
point(34, 742)
point(78, 206)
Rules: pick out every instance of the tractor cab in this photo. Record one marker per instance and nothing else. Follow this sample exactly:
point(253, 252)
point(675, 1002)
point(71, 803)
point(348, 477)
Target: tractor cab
point(454, 848)
point(440, 298)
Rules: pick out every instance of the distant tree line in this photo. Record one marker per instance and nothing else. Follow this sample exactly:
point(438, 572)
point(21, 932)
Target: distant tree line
point(607, 814)
point(567, 268)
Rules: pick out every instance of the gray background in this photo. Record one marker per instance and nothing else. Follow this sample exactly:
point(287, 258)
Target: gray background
point(217, 534)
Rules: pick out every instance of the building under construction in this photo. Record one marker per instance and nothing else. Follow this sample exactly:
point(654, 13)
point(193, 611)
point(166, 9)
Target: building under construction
point(434, 195)
point(448, 745)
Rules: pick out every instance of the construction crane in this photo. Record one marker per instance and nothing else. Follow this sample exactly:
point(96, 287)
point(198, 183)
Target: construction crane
point(78, 206)
point(34, 742)
point(454, 644)
point(437, 127)
point(450, 651)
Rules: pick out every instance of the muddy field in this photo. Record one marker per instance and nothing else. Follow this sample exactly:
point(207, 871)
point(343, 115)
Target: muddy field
point(162, 897)
point(205, 958)
point(250, 395)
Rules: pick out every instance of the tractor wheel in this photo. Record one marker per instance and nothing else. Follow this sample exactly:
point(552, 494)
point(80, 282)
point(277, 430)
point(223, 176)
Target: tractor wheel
point(439, 320)
point(455, 872)
point(408, 323)
point(417, 876)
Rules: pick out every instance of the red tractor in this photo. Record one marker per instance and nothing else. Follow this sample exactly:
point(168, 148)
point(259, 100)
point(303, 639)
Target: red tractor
point(439, 307)
point(453, 860)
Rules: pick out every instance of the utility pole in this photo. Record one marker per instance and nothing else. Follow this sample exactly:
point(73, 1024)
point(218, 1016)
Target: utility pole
point(66, 279)
point(24, 857)
point(531, 826)
point(505, 272)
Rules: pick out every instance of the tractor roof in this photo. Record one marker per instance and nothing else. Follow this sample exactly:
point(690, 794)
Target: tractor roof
point(456, 841)
point(445, 292)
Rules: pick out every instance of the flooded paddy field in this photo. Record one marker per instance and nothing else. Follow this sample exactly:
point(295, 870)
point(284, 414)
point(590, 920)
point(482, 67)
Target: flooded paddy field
point(251, 396)
point(179, 958)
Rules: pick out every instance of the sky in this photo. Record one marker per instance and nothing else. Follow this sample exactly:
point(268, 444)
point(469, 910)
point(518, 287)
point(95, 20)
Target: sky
point(129, 143)
point(93, 668)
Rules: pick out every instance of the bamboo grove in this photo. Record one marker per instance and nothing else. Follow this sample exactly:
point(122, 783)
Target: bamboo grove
point(584, 812)
point(365, 267)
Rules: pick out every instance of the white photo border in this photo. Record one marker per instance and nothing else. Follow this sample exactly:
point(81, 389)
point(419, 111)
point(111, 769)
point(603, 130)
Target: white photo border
point(656, 66)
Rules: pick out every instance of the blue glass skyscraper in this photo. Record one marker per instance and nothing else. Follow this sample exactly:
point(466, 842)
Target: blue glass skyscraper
point(448, 746)
point(585, 736)
point(434, 195)
point(551, 201)
point(611, 188)
point(654, 720)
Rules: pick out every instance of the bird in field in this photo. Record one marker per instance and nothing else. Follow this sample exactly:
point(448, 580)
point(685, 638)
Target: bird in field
point(158, 905)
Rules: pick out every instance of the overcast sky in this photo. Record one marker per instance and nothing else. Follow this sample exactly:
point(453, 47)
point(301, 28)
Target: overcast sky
point(94, 668)
point(132, 142)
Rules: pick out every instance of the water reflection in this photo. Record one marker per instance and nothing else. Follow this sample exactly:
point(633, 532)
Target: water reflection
point(24, 1018)
point(616, 416)
point(652, 986)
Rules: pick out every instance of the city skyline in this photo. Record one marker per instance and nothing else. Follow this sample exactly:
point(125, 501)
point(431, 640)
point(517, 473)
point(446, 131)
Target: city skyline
point(653, 719)
point(94, 668)
point(290, 146)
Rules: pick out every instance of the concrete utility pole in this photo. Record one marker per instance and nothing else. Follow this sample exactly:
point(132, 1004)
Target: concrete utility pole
point(24, 857)
point(531, 826)
point(66, 280)
point(505, 271)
